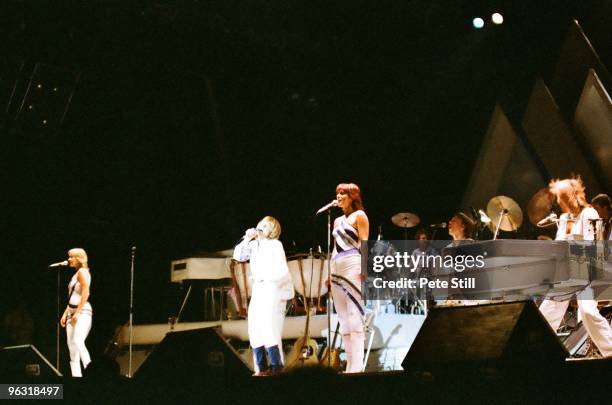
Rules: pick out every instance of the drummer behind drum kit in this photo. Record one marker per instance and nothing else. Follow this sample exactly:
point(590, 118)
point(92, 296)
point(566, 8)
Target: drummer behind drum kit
point(503, 213)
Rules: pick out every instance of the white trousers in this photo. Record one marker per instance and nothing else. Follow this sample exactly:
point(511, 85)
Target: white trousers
point(351, 320)
point(596, 325)
point(76, 335)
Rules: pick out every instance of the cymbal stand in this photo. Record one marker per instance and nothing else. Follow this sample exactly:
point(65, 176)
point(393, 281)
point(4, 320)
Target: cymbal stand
point(502, 213)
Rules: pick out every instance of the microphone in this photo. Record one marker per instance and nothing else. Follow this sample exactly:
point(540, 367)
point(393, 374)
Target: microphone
point(334, 203)
point(243, 237)
point(474, 213)
point(484, 218)
point(441, 225)
point(59, 264)
point(549, 220)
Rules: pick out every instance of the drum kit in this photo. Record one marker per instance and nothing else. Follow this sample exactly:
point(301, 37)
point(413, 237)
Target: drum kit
point(503, 213)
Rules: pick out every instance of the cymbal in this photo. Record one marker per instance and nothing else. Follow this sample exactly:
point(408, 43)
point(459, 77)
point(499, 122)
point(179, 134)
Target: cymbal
point(512, 216)
point(540, 205)
point(405, 219)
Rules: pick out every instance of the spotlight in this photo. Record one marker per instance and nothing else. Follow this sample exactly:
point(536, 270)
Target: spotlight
point(478, 23)
point(497, 18)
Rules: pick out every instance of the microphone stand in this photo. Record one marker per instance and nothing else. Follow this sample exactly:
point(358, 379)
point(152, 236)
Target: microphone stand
point(57, 318)
point(329, 288)
point(131, 321)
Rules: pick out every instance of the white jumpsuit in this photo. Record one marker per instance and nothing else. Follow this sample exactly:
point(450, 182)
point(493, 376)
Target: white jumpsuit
point(76, 334)
point(346, 263)
point(596, 325)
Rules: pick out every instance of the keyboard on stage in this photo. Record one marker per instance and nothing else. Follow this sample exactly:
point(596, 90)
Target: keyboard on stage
point(212, 266)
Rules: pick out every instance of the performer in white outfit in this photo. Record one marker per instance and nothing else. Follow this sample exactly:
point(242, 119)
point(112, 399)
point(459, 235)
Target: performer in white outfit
point(575, 224)
point(349, 230)
point(272, 287)
point(77, 316)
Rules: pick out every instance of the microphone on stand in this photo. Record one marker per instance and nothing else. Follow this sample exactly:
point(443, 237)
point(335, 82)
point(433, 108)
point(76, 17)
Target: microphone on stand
point(441, 225)
point(474, 214)
point(334, 203)
point(59, 264)
point(379, 232)
point(484, 218)
point(549, 220)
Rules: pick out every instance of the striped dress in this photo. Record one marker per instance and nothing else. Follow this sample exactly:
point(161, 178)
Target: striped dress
point(346, 238)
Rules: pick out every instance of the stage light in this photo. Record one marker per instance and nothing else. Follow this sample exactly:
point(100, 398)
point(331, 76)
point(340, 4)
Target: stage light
point(478, 23)
point(39, 86)
point(497, 18)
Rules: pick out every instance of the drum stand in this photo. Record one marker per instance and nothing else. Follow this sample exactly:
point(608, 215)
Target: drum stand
point(502, 214)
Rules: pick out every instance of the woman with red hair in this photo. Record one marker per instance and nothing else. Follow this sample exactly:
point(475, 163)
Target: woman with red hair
point(350, 230)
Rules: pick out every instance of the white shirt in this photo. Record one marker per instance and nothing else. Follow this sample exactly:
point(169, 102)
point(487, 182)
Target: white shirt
point(582, 228)
point(75, 297)
point(267, 256)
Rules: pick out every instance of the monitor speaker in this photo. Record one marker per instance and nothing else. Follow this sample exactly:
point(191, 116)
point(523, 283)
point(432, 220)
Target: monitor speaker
point(501, 334)
point(198, 354)
point(25, 362)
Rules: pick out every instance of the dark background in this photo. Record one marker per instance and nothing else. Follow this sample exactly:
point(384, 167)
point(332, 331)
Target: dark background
point(190, 120)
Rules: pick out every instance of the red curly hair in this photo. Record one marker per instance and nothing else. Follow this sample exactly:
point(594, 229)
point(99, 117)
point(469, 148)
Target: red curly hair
point(354, 193)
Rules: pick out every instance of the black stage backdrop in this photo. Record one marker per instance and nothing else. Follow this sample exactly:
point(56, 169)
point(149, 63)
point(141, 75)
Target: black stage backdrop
point(191, 120)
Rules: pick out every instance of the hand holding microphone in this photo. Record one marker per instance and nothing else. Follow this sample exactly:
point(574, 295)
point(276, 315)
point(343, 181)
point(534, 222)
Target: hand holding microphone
point(250, 234)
